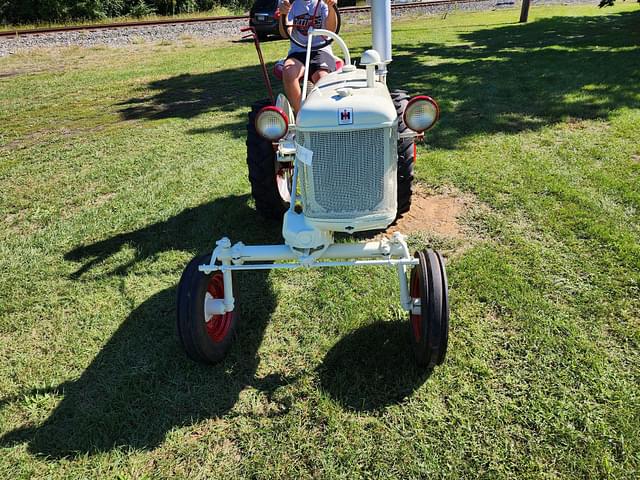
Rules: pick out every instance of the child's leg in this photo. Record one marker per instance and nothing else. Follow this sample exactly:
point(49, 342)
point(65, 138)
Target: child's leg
point(291, 74)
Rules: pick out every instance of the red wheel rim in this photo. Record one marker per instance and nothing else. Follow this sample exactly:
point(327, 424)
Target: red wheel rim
point(217, 325)
point(416, 319)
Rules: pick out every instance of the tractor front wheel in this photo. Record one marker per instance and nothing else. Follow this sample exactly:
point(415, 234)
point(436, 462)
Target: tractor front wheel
point(265, 175)
point(429, 317)
point(205, 338)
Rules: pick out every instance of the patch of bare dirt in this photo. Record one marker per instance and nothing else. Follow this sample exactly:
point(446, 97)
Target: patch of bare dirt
point(434, 212)
point(635, 158)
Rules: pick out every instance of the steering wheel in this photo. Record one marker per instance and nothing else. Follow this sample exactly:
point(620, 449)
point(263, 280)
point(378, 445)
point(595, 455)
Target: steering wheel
point(298, 34)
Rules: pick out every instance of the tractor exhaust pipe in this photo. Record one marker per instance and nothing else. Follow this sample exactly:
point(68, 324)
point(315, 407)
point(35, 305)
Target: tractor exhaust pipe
point(381, 28)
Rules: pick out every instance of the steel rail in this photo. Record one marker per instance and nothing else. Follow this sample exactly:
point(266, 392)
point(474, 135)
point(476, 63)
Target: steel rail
point(103, 26)
point(163, 22)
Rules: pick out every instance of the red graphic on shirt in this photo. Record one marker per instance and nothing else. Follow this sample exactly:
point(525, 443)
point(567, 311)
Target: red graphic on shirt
point(301, 23)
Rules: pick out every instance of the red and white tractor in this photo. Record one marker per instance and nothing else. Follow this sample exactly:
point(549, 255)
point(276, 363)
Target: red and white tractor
point(343, 164)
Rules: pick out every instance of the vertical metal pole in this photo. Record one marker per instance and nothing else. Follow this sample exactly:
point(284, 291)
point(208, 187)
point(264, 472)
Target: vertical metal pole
point(294, 188)
point(381, 28)
point(405, 297)
point(306, 64)
point(227, 280)
point(524, 12)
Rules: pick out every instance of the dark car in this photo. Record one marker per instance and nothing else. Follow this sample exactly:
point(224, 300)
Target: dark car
point(264, 16)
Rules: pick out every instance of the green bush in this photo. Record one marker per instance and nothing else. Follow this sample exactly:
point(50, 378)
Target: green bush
point(30, 11)
point(141, 9)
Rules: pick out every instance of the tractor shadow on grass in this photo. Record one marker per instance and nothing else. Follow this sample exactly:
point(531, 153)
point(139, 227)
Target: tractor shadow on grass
point(192, 230)
point(141, 385)
point(372, 368)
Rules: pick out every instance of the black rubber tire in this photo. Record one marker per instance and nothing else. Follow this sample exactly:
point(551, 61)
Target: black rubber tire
point(192, 330)
point(406, 155)
point(261, 162)
point(430, 339)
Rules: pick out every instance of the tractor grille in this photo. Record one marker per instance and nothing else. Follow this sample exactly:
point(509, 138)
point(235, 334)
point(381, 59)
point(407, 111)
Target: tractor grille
point(347, 175)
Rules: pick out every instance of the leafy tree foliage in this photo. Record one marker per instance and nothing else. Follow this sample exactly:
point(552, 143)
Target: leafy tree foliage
point(23, 11)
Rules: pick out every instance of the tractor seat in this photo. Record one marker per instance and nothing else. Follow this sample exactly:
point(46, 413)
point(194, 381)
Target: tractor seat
point(277, 68)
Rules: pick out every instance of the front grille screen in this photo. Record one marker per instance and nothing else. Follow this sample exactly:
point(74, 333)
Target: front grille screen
point(347, 173)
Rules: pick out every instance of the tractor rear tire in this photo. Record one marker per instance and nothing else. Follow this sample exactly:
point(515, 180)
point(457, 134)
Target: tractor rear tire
point(406, 155)
point(261, 162)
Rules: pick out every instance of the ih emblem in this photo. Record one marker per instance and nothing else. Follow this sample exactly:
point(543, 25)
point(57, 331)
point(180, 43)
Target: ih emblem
point(345, 116)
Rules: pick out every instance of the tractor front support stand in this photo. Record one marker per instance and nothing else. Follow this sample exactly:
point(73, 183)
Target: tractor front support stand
point(226, 258)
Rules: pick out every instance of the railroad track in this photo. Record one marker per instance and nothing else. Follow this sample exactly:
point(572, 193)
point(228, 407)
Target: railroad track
point(151, 23)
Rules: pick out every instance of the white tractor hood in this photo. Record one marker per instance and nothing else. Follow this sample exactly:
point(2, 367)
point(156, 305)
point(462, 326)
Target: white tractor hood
point(342, 101)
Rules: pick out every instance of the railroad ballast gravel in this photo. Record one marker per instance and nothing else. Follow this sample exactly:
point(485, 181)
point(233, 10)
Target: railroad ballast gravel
point(227, 29)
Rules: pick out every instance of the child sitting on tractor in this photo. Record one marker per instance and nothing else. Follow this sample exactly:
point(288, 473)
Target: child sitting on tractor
point(301, 15)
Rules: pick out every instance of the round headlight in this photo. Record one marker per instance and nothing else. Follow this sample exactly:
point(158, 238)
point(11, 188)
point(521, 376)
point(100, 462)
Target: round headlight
point(272, 123)
point(421, 113)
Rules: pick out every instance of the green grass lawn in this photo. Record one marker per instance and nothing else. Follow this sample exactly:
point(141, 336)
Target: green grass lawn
point(118, 165)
